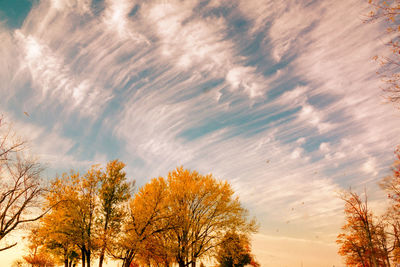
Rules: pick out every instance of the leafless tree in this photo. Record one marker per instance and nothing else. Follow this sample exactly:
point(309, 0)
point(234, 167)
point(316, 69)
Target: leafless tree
point(388, 12)
point(20, 185)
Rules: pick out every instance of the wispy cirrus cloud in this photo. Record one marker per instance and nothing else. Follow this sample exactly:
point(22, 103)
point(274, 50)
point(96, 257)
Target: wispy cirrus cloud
point(54, 79)
point(278, 98)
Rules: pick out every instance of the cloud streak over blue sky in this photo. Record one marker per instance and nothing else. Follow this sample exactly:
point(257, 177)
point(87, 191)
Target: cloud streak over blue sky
point(280, 98)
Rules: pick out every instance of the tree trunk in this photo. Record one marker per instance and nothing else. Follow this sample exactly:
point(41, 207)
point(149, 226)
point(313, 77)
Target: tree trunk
point(65, 258)
point(83, 252)
point(194, 263)
point(181, 263)
point(130, 255)
point(101, 258)
point(103, 248)
point(88, 258)
point(127, 262)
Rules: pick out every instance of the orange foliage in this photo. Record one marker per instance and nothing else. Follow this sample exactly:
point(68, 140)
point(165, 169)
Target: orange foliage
point(39, 260)
point(363, 242)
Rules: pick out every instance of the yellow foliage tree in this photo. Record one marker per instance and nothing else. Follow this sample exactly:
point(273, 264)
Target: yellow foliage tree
point(203, 210)
point(180, 220)
point(148, 216)
point(72, 221)
point(113, 192)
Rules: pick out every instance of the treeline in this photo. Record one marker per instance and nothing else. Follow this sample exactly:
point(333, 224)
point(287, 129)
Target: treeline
point(179, 220)
point(367, 239)
point(184, 219)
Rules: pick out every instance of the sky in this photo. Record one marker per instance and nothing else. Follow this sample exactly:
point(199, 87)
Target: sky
point(279, 98)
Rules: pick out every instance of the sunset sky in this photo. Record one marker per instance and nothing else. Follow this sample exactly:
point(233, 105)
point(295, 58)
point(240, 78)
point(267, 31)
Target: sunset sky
point(280, 98)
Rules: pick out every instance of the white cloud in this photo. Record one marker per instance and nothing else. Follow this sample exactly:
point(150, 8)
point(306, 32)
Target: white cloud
point(369, 166)
point(324, 147)
point(193, 42)
point(244, 77)
point(301, 140)
point(285, 32)
point(82, 6)
point(50, 148)
point(297, 153)
point(314, 117)
point(296, 96)
point(53, 79)
point(116, 19)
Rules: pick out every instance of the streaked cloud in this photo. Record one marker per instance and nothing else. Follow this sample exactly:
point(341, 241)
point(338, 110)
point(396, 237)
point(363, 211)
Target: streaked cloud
point(279, 98)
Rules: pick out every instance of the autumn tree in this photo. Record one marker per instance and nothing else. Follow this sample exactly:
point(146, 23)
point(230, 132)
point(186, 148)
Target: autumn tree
point(72, 221)
point(391, 184)
point(362, 241)
point(56, 228)
point(88, 211)
point(148, 215)
point(234, 251)
point(38, 254)
point(203, 210)
point(113, 192)
point(21, 188)
point(156, 250)
point(181, 219)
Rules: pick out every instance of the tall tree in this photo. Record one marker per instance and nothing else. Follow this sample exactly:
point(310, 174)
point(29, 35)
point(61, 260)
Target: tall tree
point(203, 210)
point(113, 192)
point(85, 211)
point(391, 184)
point(361, 239)
point(56, 228)
point(72, 221)
point(21, 188)
point(148, 215)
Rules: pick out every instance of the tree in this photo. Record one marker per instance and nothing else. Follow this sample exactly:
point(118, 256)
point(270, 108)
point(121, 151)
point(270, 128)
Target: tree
point(72, 221)
point(21, 189)
point(82, 209)
point(55, 228)
point(391, 184)
point(203, 209)
point(148, 216)
point(363, 241)
point(38, 255)
point(114, 191)
point(19, 263)
point(234, 251)
point(156, 250)
point(389, 11)
point(180, 220)
point(87, 215)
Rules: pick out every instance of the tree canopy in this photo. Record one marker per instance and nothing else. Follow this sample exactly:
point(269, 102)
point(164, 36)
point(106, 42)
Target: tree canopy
point(180, 219)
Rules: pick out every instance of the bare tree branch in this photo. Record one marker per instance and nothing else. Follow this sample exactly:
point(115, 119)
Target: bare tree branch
point(21, 189)
point(9, 246)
